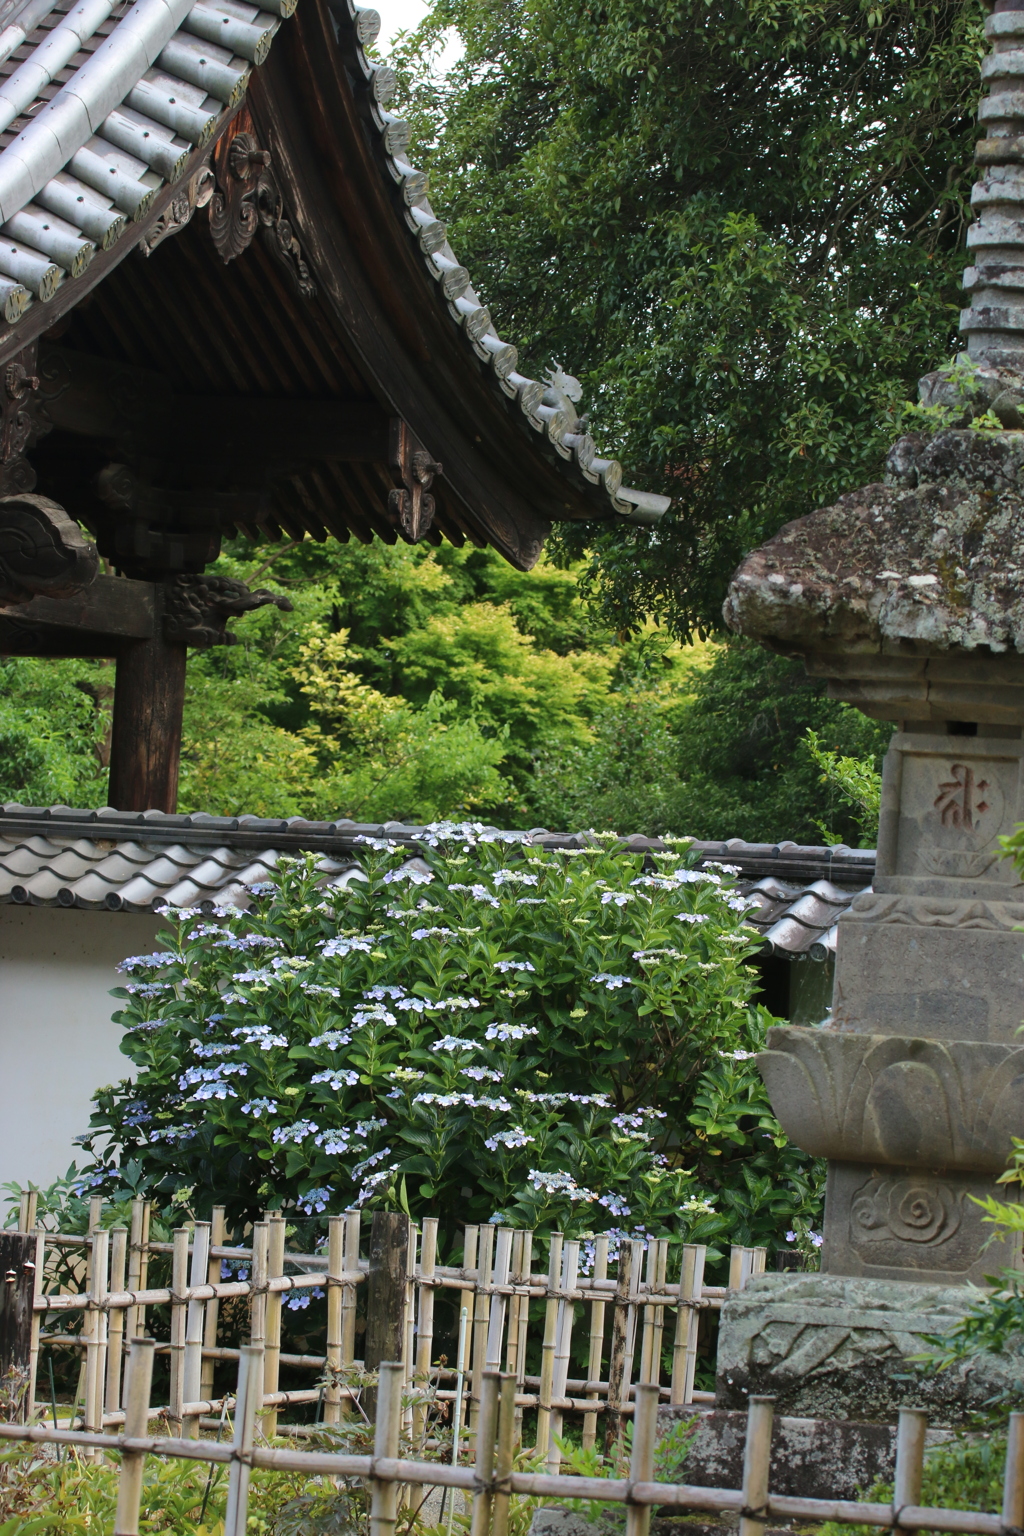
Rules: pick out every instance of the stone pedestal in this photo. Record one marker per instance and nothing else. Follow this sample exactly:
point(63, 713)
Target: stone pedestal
point(907, 598)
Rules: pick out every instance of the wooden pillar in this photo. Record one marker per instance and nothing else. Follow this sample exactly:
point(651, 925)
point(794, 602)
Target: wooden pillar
point(145, 744)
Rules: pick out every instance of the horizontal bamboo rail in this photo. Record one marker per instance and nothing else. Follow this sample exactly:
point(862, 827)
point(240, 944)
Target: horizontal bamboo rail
point(491, 1482)
point(496, 1282)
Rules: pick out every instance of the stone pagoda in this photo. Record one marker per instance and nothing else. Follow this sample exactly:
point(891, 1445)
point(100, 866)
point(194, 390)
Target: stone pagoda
point(908, 598)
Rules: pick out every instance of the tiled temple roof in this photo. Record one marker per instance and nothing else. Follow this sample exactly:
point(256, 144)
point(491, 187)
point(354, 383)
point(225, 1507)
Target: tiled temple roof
point(117, 861)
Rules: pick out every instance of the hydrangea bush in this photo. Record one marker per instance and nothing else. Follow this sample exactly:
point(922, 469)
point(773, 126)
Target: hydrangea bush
point(487, 1031)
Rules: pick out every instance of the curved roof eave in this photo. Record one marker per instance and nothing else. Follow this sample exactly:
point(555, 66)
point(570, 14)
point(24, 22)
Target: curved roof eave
point(110, 135)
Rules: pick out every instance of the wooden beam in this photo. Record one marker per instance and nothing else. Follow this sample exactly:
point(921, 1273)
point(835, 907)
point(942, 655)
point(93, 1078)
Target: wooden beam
point(145, 743)
point(112, 607)
point(136, 410)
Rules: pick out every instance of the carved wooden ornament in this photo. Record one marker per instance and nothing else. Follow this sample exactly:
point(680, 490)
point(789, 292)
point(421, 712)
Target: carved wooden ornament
point(42, 552)
point(412, 507)
point(197, 608)
point(238, 165)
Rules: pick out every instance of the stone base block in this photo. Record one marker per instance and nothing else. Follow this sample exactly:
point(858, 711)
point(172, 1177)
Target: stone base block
point(832, 1347)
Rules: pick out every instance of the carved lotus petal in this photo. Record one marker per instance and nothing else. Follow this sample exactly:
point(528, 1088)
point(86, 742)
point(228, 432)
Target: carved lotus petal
point(905, 1102)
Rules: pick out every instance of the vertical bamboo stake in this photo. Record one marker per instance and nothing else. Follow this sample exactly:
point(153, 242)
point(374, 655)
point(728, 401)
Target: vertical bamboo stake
point(658, 1331)
point(1013, 1478)
point(515, 1302)
point(597, 1315)
point(647, 1344)
point(335, 1265)
point(95, 1212)
point(138, 1384)
point(756, 1459)
point(524, 1323)
point(481, 1317)
point(547, 1357)
point(563, 1345)
point(460, 1378)
point(758, 1260)
point(641, 1464)
point(179, 1282)
point(218, 1231)
point(272, 1358)
point(386, 1440)
point(37, 1318)
point(33, 1210)
point(131, 1321)
point(684, 1350)
point(353, 1233)
point(96, 1352)
point(506, 1453)
point(425, 1336)
point(409, 1342)
point(487, 1427)
point(258, 1288)
point(192, 1360)
point(248, 1401)
point(631, 1318)
point(499, 1276)
point(469, 1250)
point(736, 1268)
point(617, 1357)
point(115, 1341)
point(147, 1212)
point(913, 1426)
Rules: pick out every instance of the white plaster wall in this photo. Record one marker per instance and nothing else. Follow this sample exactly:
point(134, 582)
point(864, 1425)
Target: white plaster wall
point(58, 1043)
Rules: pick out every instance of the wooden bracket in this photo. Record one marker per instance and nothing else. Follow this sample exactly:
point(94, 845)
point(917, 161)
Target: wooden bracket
point(238, 166)
point(197, 608)
point(22, 420)
point(42, 552)
point(411, 508)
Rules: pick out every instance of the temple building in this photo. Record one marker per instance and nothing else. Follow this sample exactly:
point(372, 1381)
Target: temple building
point(228, 307)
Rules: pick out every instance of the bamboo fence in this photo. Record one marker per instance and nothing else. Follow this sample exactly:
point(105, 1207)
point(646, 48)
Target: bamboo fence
point(641, 1323)
point(491, 1482)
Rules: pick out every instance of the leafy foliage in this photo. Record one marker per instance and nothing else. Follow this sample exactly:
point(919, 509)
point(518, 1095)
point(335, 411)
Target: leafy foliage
point(489, 1032)
point(740, 224)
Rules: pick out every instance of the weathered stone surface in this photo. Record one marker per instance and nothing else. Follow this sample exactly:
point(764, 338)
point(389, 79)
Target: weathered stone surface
point(896, 1100)
point(934, 558)
point(912, 1223)
point(810, 1458)
point(830, 1346)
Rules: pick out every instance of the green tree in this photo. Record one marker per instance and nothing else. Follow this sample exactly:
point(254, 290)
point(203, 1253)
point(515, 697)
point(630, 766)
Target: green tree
point(738, 220)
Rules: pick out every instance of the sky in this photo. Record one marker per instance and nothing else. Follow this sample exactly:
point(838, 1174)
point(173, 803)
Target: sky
point(398, 16)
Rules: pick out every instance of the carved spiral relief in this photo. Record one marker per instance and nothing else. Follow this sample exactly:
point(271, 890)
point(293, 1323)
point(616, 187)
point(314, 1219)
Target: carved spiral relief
point(908, 1209)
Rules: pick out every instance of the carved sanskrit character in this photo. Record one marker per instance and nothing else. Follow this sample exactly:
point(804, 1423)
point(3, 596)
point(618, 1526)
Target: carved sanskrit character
point(961, 798)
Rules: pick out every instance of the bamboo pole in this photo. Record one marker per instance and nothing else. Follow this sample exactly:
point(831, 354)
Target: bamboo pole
point(386, 1444)
point(409, 1341)
point(214, 1272)
point(258, 1285)
point(274, 1303)
point(597, 1316)
point(179, 1282)
point(247, 1403)
point(758, 1260)
point(548, 1346)
point(335, 1264)
point(195, 1320)
point(115, 1340)
point(641, 1464)
point(131, 1321)
point(95, 1358)
point(481, 1315)
point(515, 1302)
point(138, 1385)
point(617, 1357)
point(28, 1204)
point(147, 1215)
point(425, 1335)
point(684, 1351)
point(524, 1323)
point(353, 1233)
point(470, 1243)
point(500, 1273)
point(563, 1346)
point(460, 1377)
point(36, 1325)
point(506, 1453)
point(658, 1331)
point(736, 1254)
point(910, 1435)
point(1013, 1477)
point(632, 1311)
point(647, 1344)
point(486, 1430)
point(756, 1459)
